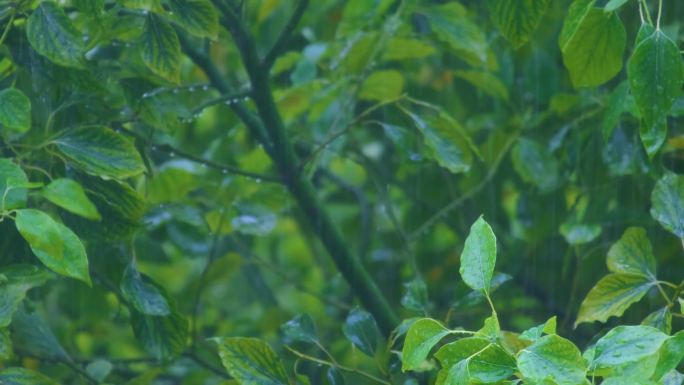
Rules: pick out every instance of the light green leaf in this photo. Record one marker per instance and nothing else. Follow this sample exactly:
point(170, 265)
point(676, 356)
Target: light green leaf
point(517, 19)
point(535, 164)
point(655, 72)
point(578, 10)
point(100, 151)
point(632, 254)
point(382, 86)
point(92, 8)
point(593, 54)
point(54, 244)
point(479, 256)
point(401, 48)
point(251, 361)
point(667, 203)
point(579, 233)
point(12, 186)
point(15, 110)
point(553, 358)
point(457, 374)
point(612, 295)
point(17, 280)
point(148, 5)
point(160, 49)
point(164, 337)
point(360, 328)
point(670, 355)
point(199, 17)
point(486, 82)
point(487, 362)
point(143, 296)
point(614, 5)
point(22, 376)
point(69, 195)
point(626, 344)
point(535, 333)
point(448, 142)
point(51, 33)
point(660, 319)
point(422, 336)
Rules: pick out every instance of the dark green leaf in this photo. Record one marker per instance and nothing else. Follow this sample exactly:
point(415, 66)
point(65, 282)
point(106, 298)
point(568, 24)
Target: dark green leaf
point(300, 328)
point(613, 5)
point(69, 195)
point(360, 328)
point(51, 33)
point(199, 17)
point(100, 151)
point(54, 244)
point(251, 361)
point(536, 164)
point(22, 376)
point(660, 319)
point(615, 107)
point(15, 281)
point(33, 335)
point(143, 296)
point(15, 110)
point(160, 49)
point(334, 377)
point(486, 362)
point(517, 19)
point(5, 345)
point(415, 296)
point(479, 256)
point(164, 337)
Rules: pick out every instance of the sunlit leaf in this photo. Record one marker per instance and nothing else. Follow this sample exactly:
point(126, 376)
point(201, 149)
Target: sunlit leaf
point(251, 361)
point(15, 110)
point(69, 195)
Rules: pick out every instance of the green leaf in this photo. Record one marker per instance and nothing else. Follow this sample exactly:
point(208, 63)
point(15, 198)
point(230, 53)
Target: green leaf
point(54, 244)
point(655, 72)
point(22, 376)
point(670, 355)
point(416, 296)
point(160, 49)
point(5, 345)
point(143, 296)
point(401, 48)
point(479, 256)
point(593, 54)
point(334, 377)
point(100, 151)
point(667, 203)
point(626, 344)
point(447, 140)
point(422, 336)
point(579, 233)
point(553, 358)
point(164, 337)
point(615, 106)
point(486, 362)
point(535, 333)
point(578, 10)
point(251, 361)
point(517, 19)
point(99, 369)
point(148, 5)
point(89, 7)
point(660, 319)
point(451, 24)
point(360, 328)
point(633, 254)
point(457, 374)
point(51, 34)
point(17, 280)
point(32, 334)
point(612, 295)
point(486, 82)
point(382, 86)
point(15, 110)
point(300, 328)
point(69, 195)
point(12, 186)
point(614, 5)
point(199, 17)
point(535, 164)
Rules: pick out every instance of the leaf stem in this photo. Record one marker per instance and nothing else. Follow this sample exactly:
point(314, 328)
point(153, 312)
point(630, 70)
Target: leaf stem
point(337, 366)
point(660, 12)
point(7, 29)
point(646, 11)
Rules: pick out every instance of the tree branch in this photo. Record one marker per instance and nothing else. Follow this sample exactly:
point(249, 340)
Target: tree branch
point(302, 190)
point(284, 38)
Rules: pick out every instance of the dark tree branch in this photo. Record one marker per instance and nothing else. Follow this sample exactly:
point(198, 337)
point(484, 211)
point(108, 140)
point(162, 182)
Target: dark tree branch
point(285, 159)
point(281, 44)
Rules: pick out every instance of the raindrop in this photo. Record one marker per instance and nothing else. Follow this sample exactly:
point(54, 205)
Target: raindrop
point(205, 88)
point(172, 154)
point(191, 89)
point(175, 90)
point(224, 171)
point(258, 180)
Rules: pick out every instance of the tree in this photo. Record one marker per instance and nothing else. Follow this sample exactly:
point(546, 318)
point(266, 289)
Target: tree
point(190, 183)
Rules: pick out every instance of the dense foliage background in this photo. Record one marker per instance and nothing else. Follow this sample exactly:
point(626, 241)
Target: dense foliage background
point(178, 173)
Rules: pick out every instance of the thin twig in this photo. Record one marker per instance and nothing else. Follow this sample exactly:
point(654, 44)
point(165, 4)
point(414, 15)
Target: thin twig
point(284, 38)
point(337, 366)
